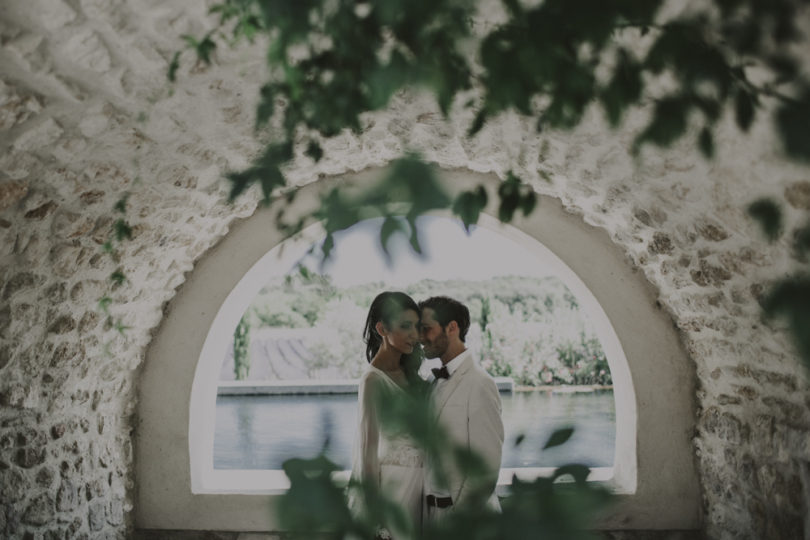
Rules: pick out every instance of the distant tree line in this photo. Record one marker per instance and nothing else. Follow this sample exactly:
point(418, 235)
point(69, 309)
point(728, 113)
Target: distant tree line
point(527, 328)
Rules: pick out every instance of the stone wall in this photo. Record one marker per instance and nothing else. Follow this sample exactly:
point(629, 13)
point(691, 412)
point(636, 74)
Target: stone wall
point(86, 115)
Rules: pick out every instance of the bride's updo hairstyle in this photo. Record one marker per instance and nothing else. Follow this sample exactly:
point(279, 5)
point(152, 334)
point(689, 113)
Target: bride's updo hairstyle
point(386, 307)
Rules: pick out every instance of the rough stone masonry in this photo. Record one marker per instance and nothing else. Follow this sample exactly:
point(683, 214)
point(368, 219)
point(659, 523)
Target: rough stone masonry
point(86, 115)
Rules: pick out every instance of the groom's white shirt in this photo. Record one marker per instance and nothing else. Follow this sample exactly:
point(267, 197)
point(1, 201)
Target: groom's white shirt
point(468, 407)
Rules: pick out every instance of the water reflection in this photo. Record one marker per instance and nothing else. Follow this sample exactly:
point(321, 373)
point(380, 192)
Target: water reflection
point(260, 432)
point(537, 414)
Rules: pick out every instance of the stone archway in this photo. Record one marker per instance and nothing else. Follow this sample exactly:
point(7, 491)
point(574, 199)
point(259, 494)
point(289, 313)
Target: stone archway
point(654, 473)
point(87, 116)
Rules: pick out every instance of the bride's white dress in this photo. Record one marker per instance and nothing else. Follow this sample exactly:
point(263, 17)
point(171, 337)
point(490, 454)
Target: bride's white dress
point(384, 455)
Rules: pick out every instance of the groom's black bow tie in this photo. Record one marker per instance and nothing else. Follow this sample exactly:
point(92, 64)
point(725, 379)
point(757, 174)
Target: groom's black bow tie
point(441, 373)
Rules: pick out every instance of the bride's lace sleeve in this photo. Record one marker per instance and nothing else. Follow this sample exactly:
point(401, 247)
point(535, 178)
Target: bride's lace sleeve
point(366, 464)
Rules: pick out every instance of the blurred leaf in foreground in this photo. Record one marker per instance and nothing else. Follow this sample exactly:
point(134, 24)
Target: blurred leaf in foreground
point(561, 506)
point(769, 216)
point(790, 298)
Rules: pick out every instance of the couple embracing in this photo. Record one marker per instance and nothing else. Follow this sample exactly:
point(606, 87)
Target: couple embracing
point(464, 404)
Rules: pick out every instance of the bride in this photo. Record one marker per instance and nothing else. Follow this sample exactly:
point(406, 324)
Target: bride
point(384, 456)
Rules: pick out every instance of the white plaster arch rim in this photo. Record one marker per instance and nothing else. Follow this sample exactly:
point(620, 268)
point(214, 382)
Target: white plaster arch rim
point(202, 407)
point(177, 488)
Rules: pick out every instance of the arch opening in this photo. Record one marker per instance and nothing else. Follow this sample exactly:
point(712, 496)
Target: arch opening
point(660, 491)
point(483, 265)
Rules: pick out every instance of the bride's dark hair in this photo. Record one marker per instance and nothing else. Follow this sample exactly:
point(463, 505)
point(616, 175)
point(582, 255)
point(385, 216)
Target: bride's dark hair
point(385, 307)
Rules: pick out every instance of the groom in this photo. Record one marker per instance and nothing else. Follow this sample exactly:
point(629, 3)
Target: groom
point(468, 408)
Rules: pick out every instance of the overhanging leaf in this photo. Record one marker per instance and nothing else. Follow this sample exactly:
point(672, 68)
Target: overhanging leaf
point(118, 277)
point(514, 195)
point(122, 230)
point(174, 65)
point(793, 121)
point(121, 204)
point(104, 303)
point(744, 109)
point(624, 88)
point(468, 206)
point(266, 170)
point(706, 143)
point(411, 180)
point(559, 437)
point(314, 151)
point(416, 244)
point(769, 215)
point(578, 472)
point(477, 123)
point(790, 298)
point(668, 123)
point(801, 241)
point(391, 226)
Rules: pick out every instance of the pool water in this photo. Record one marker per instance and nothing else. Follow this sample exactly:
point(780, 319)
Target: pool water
point(261, 432)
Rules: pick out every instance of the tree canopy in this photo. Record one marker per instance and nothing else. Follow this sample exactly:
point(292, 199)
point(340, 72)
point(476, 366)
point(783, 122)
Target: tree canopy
point(331, 61)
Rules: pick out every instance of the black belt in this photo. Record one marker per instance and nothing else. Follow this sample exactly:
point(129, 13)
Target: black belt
point(439, 502)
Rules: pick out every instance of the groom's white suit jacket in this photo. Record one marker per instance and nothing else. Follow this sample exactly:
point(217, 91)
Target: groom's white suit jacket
point(468, 407)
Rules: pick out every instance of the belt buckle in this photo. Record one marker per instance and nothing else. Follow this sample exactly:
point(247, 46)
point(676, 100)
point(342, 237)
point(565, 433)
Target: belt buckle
point(439, 502)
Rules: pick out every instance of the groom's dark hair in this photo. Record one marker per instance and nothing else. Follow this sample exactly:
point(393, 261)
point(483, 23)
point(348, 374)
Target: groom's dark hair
point(448, 309)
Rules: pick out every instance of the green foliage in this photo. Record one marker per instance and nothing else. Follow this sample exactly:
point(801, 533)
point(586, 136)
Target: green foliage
point(297, 302)
point(326, 67)
point(468, 206)
point(314, 503)
point(706, 143)
point(174, 65)
point(331, 62)
point(486, 312)
point(744, 108)
point(802, 242)
point(121, 204)
point(120, 327)
point(247, 21)
point(585, 360)
point(266, 170)
point(355, 59)
point(788, 297)
point(769, 215)
point(118, 277)
point(559, 437)
point(409, 182)
point(241, 350)
point(204, 47)
point(122, 229)
point(526, 328)
point(559, 511)
point(669, 122)
point(560, 506)
point(515, 195)
point(793, 119)
point(391, 226)
point(104, 303)
point(314, 151)
point(623, 89)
